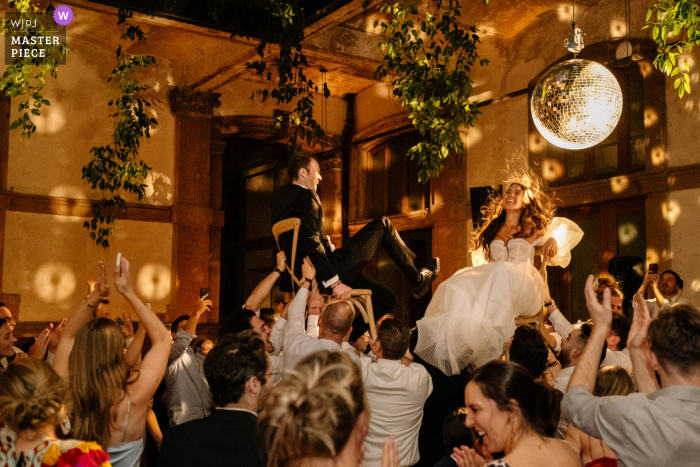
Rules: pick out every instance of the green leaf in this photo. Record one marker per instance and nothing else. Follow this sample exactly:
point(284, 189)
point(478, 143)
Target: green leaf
point(686, 85)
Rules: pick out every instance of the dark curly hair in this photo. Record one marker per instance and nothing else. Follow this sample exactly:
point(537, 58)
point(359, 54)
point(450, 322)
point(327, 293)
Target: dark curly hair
point(538, 211)
point(529, 348)
point(231, 363)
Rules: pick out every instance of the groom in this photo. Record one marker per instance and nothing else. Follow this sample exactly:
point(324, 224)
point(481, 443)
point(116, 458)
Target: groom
point(339, 271)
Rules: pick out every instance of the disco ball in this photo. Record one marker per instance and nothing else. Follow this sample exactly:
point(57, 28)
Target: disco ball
point(576, 104)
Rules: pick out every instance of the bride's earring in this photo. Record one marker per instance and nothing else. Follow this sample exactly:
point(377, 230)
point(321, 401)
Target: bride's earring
point(65, 425)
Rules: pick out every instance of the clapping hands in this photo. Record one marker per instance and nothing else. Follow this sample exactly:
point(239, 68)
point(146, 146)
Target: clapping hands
point(601, 313)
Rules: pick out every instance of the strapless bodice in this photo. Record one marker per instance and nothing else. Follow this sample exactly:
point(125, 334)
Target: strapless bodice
point(518, 250)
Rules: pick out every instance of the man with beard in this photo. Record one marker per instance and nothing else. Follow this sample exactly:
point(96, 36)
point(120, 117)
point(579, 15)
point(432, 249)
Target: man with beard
point(666, 291)
point(239, 374)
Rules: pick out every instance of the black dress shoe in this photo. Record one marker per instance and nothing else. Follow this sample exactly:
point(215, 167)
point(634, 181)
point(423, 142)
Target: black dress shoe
point(427, 275)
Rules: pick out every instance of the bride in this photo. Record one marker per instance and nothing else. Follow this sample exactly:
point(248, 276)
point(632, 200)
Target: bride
point(472, 314)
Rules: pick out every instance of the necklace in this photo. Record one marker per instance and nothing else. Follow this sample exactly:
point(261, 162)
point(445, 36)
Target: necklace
point(507, 233)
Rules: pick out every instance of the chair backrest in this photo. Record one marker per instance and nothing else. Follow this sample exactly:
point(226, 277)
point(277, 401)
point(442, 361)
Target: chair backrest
point(293, 223)
point(537, 319)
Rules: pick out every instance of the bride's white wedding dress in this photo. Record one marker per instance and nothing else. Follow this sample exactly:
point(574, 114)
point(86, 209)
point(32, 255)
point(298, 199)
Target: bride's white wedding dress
point(472, 314)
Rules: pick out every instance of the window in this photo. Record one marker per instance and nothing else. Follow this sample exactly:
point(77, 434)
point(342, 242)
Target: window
point(392, 179)
point(628, 148)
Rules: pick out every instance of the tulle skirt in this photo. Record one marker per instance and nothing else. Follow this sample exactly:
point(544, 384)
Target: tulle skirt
point(472, 314)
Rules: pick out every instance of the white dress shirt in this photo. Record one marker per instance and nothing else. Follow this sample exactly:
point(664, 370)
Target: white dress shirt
point(562, 380)
point(396, 394)
point(618, 358)
point(654, 306)
point(297, 344)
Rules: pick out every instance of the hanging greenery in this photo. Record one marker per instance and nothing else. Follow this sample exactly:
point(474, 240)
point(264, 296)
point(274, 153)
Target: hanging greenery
point(116, 168)
point(431, 53)
point(678, 19)
point(285, 29)
point(26, 76)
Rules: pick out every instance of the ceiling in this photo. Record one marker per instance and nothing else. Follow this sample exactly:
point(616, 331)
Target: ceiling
point(340, 39)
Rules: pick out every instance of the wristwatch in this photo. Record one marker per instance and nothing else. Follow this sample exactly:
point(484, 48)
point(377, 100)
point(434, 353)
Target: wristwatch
point(304, 280)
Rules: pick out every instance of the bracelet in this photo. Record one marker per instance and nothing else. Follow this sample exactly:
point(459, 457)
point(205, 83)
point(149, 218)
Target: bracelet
point(314, 308)
point(277, 270)
point(551, 303)
point(93, 307)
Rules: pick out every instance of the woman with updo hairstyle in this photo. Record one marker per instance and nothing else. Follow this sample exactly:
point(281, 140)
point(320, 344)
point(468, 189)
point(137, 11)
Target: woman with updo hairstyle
point(610, 381)
point(616, 295)
point(33, 406)
point(511, 413)
point(318, 415)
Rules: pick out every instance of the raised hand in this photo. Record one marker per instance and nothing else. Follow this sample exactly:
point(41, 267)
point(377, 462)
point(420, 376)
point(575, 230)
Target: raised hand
point(390, 453)
point(55, 337)
point(342, 291)
point(600, 313)
point(203, 304)
point(42, 342)
point(467, 457)
point(637, 337)
point(122, 278)
point(550, 248)
point(281, 260)
point(316, 300)
point(128, 327)
point(100, 288)
point(307, 269)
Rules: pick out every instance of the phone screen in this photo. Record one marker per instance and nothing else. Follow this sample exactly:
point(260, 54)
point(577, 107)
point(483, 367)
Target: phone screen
point(654, 268)
point(203, 292)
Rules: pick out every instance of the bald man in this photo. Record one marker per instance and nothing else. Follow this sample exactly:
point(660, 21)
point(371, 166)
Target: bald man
point(334, 327)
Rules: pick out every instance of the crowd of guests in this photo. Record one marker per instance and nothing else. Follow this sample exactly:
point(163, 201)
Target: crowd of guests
point(288, 387)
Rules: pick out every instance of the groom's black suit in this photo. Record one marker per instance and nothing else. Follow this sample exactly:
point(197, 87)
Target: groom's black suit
point(347, 262)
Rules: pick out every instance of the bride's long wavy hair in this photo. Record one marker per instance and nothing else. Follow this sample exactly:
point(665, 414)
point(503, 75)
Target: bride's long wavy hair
point(538, 211)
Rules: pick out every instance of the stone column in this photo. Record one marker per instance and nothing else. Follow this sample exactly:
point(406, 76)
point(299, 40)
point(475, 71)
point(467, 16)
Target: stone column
point(193, 207)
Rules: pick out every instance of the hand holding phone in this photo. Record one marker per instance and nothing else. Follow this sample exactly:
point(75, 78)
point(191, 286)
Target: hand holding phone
point(653, 268)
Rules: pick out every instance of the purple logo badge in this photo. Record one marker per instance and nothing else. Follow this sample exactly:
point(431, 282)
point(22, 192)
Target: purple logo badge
point(63, 15)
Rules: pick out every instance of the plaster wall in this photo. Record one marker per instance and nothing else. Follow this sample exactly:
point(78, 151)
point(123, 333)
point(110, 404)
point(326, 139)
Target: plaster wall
point(374, 104)
point(683, 214)
point(48, 260)
point(50, 162)
point(235, 100)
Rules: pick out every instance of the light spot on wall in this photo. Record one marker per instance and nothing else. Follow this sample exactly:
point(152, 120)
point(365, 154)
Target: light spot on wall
point(537, 142)
point(671, 210)
point(651, 116)
point(695, 285)
point(54, 282)
point(550, 169)
point(619, 184)
point(658, 156)
point(154, 114)
point(564, 13)
point(652, 256)
point(481, 97)
point(160, 188)
point(474, 136)
point(52, 119)
point(645, 68)
point(153, 281)
point(627, 233)
point(617, 28)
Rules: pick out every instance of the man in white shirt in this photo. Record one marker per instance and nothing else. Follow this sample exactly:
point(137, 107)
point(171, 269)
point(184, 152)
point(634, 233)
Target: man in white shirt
point(572, 348)
point(616, 340)
point(666, 291)
point(334, 325)
point(396, 394)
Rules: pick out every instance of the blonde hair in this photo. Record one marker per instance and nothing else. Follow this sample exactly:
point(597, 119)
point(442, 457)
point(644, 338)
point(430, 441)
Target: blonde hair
point(613, 381)
point(313, 411)
point(32, 395)
point(98, 379)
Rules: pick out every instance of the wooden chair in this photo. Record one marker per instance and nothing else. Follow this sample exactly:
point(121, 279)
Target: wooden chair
point(361, 299)
point(537, 319)
point(293, 223)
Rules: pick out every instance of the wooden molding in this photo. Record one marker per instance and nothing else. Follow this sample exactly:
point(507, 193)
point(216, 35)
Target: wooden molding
point(78, 207)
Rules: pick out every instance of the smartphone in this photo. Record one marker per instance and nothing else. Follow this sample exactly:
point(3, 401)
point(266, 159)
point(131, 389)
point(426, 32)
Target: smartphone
point(653, 268)
point(203, 292)
point(120, 322)
point(119, 263)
